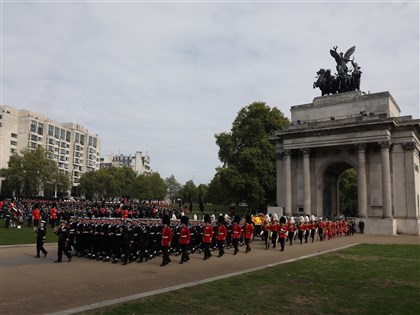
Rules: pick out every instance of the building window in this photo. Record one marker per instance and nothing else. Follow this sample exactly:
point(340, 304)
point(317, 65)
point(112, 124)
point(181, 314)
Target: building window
point(62, 134)
point(13, 135)
point(40, 128)
point(50, 130)
point(13, 142)
point(68, 135)
point(13, 151)
point(57, 132)
point(34, 138)
point(82, 139)
point(32, 145)
point(33, 125)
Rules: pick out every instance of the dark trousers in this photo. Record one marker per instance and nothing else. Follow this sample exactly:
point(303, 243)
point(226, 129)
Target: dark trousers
point(40, 248)
point(220, 246)
point(207, 253)
point(320, 232)
point(291, 237)
point(274, 239)
point(306, 236)
point(235, 243)
point(300, 236)
point(165, 255)
point(312, 235)
point(184, 251)
point(62, 248)
point(247, 243)
point(267, 245)
point(281, 240)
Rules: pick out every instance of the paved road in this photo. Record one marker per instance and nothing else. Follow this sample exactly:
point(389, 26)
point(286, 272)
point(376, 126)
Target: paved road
point(39, 286)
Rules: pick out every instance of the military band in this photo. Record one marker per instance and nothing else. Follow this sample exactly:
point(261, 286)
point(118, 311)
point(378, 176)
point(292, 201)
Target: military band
point(125, 240)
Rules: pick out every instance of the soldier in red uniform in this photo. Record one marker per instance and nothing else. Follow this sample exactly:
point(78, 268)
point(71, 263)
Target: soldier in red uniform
point(166, 240)
point(36, 215)
point(124, 213)
point(184, 239)
point(249, 231)
point(313, 226)
point(221, 235)
point(53, 215)
point(266, 233)
point(207, 236)
point(274, 228)
point(291, 229)
point(282, 232)
point(301, 229)
point(236, 233)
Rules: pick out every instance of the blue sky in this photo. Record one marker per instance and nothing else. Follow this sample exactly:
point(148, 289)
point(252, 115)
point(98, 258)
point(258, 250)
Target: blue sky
point(164, 77)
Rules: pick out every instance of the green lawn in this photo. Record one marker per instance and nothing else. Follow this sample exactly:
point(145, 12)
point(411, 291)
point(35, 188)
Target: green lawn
point(25, 235)
point(365, 279)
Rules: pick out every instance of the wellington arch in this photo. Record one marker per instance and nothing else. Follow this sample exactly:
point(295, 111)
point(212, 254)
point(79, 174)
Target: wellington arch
point(351, 130)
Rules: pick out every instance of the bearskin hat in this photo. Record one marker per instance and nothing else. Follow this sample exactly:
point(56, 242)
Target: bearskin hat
point(165, 220)
point(283, 219)
point(184, 219)
point(248, 219)
point(207, 218)
point(237, 219)
point(221, 219)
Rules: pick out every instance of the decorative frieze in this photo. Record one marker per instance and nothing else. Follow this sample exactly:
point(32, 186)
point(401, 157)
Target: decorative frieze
point(408, 146)
point(385, 144)
point(306, 151)
point(360, 146)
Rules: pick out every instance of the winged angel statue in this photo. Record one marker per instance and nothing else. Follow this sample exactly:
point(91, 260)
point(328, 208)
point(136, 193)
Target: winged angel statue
point(345, 79)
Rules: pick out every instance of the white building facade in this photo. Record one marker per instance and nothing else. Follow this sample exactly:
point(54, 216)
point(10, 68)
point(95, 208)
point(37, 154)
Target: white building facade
point(138, 162)
point(70, 145)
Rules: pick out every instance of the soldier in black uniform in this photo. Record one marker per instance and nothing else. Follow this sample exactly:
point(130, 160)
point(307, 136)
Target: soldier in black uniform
point(63, 238)
point(40, 238)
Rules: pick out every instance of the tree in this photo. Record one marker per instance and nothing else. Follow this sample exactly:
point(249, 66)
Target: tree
point(189, 192)
point(157, 186)
point(173, 187)
point(32, 172)
point(248, 173)
point(216, 193)
point(347, 184)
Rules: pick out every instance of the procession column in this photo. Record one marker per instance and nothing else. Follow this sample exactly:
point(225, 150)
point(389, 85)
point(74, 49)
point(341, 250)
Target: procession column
point(386, 180)
point(361, 179)
point(288, 182)
point(306, 181)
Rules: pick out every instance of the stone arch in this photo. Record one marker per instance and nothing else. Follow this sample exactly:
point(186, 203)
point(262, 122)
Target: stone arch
point(327, 183)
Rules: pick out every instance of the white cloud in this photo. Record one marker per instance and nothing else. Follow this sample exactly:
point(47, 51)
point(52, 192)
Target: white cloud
point(165, 77)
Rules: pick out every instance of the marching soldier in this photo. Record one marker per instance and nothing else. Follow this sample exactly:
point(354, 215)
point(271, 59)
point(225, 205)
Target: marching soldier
point(184, 239)
point(166, 240)
point(249, 231)
point(282, 232)
point(40, 238)
point(237, 233)
point(207, 236)
point(63, 238)
point(292, 230)
point(221, 235)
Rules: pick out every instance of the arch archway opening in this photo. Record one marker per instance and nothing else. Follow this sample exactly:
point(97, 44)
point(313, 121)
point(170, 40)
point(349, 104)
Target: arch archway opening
point(340, 190)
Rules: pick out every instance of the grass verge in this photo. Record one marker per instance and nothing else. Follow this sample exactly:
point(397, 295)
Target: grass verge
point(365, 279)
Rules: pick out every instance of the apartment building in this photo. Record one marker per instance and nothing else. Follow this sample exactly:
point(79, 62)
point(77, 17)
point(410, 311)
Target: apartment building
point(138, 162)
point(70, 145)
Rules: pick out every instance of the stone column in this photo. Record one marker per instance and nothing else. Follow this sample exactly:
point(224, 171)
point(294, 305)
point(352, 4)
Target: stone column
point(361, 180)
point(386, 180)
point(306, 181)
point(288, 182)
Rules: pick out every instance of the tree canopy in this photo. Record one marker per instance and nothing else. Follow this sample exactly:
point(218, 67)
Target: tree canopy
point(31, 173)
point(121, 182)
point(248, 156)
